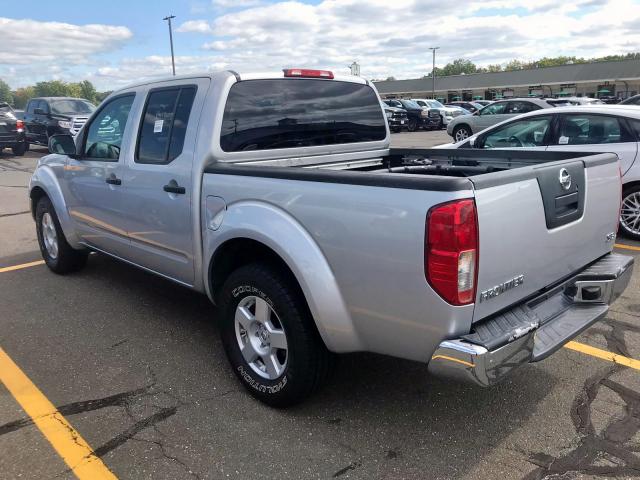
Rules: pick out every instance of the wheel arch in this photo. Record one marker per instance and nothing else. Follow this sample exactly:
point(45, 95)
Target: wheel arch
point(276, 238)
point(44, 183)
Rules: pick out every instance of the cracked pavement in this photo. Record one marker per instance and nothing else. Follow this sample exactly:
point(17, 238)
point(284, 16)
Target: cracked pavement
point(134, 363)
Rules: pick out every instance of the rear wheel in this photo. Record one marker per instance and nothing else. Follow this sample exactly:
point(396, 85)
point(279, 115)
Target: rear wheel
point(630, 212)
point(412, 126)
point(59, 256)
point(19, 149)
point(461, 132)
point(269, 337)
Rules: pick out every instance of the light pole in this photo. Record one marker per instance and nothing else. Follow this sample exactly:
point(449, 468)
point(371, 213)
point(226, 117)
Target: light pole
point(173, 63)
point(433, 72)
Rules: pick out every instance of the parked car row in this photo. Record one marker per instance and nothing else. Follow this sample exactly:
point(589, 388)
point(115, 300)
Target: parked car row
point(12, 132)
point(417, 116)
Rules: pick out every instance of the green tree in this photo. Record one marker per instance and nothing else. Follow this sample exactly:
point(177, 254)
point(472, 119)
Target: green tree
point(5, 92)
point(459, 66)
point(100, 96)
point(390, 79)
point(88, 91)
point(54, 88)
point(22, 95)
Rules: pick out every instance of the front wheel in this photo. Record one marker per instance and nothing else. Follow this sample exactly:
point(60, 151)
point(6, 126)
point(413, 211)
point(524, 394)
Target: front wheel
point(59, 256)
point(269, 337)
point(412, 126)
point(461, 133)
point(630, 212)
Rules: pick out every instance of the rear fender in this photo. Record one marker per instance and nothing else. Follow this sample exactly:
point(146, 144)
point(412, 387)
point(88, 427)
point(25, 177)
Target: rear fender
point(281, 232)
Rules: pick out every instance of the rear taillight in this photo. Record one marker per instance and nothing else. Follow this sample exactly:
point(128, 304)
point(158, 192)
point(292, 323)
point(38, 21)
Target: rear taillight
point(451, 251)
point(19, 125)
point(306, 73)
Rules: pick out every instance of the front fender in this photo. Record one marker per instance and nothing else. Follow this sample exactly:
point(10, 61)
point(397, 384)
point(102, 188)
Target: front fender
point(282, 233)
point(45, 178)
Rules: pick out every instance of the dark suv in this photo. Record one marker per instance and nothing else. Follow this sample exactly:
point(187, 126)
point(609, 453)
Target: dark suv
point(11, 131)
point(46, 116)
point(417, 116)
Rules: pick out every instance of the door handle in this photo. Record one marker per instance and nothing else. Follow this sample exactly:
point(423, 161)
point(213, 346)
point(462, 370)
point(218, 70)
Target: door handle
point(113, 180)
point(173, 187)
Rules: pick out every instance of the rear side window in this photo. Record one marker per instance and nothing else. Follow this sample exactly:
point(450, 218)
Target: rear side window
point(521, 107)
point(290, 113)
point(592, 130)
point(164, 125)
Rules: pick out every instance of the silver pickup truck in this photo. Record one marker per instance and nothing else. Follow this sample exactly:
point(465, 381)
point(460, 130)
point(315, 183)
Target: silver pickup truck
point(278, 196)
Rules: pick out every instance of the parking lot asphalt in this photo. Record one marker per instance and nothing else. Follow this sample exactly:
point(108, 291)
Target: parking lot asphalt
point(134, 367)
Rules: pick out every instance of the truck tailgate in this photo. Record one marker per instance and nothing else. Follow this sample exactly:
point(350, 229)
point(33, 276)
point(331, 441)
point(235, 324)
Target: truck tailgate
point(539, 224)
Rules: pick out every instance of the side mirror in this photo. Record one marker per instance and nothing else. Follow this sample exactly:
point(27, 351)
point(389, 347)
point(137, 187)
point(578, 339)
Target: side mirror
point(62, 144)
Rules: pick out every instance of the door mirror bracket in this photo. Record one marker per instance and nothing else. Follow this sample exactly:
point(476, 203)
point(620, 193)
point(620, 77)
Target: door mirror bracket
point(63, 144)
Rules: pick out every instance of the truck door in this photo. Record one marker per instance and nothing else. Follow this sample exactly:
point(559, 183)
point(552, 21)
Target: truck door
point(588, 132)
point(94, 179)
point(158, 183)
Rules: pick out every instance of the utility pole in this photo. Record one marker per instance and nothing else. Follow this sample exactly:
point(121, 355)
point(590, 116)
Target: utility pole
point(173, 62)
point(433, 72)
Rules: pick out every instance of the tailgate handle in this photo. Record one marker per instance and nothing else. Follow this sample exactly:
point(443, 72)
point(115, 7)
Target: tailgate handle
point(566, 204)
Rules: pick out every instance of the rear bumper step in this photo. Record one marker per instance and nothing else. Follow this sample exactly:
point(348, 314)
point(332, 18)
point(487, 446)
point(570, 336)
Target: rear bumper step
point(535, 329)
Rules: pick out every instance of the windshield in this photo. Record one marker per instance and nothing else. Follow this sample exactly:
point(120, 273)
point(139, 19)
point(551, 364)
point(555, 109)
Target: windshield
point(435, 104)
point(71, 106)
point(410, 104)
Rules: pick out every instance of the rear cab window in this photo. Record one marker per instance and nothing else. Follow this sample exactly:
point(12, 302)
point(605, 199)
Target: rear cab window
point(291, 113)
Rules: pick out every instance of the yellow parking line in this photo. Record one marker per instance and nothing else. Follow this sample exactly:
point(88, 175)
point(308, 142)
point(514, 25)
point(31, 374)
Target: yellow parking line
point(626, 247)
point(65, 439)
point(604, 355)
point(21, 266)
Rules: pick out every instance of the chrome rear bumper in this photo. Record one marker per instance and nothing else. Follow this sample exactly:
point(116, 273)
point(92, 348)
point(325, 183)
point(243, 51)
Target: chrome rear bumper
point(534, 330)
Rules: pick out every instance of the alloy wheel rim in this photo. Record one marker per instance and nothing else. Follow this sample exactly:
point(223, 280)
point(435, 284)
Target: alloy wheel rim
point(49, 235)
point(630, 212)
point(261, 337)
point(462, 134)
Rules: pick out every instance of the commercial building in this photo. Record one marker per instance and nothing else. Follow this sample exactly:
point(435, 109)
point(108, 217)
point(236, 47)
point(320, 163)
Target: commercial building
point(599, 79)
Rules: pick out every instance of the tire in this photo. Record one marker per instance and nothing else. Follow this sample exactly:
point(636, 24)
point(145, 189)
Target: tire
point(296, 371)
point(440, 124)
point(461, 132)
point(19, 149)
point(59, 256)
point(630, 212)
point(412, 126)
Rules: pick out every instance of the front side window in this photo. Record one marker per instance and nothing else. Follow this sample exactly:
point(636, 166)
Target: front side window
point(592, 130)
point(165, 124)
point(291, 113)
point(104, 136)
point(494, 109)
point(530, 132)
point(31, 107)
point(44, 106)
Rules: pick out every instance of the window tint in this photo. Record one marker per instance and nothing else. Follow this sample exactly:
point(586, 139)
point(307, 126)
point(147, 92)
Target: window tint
point(165, 124)
point(529, 132)
point(592, 130)
point(521, 107)
point(105, 132)
point(31, 106)
point(494, 109)
point(71, 105)
point(44, 106)
point(290, 113)
point(635, 125)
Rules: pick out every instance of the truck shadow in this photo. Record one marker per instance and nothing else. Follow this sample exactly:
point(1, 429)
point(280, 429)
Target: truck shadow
point(378, 417)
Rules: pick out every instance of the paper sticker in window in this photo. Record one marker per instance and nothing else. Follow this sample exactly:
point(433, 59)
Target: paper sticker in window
point(157, 126)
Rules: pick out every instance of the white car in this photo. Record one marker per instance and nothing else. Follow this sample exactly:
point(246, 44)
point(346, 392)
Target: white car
point(446, 113)
point(584, 128)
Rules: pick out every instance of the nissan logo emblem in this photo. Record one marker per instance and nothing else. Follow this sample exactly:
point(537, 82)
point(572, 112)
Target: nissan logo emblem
point(565, 179)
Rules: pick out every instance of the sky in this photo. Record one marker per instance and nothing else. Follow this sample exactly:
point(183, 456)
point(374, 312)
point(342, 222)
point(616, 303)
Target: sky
point(116, 42)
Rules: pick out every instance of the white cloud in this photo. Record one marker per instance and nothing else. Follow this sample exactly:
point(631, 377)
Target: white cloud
point(27, 41)
point(235, 3)
point(391, 38)
point(195, 26)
